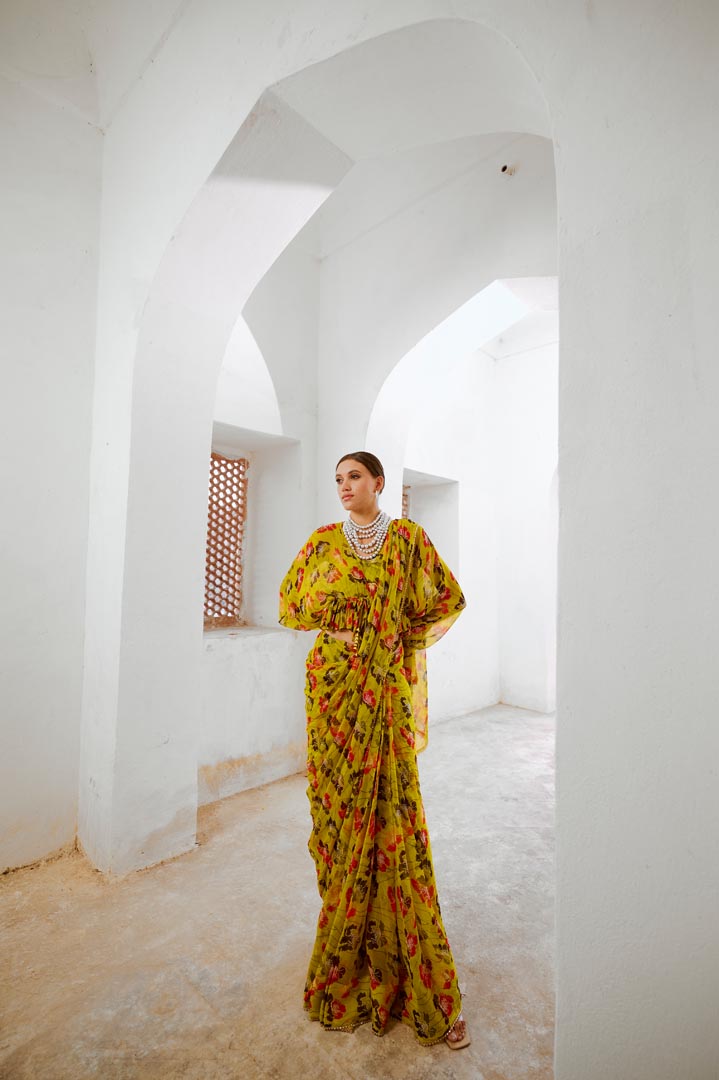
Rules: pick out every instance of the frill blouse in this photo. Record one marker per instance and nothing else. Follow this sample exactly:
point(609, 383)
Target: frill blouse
point(329, 587)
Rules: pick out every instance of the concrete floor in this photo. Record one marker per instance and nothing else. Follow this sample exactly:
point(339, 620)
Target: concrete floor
point(195, 968)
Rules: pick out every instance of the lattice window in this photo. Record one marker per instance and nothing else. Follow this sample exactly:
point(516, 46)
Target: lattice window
point(405, 500)
point(226, 514)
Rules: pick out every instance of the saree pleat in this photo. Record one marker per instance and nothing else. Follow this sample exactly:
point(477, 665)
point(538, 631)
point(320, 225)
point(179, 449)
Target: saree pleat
point(380, 950)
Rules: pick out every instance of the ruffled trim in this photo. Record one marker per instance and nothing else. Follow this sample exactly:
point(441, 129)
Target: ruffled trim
point(381, 1034)
point(345, 612)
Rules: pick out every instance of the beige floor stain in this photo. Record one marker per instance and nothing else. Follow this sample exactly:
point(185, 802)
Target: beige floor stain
point(195, 968)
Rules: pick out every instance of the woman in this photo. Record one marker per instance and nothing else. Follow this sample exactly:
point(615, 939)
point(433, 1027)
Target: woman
point(380, 594)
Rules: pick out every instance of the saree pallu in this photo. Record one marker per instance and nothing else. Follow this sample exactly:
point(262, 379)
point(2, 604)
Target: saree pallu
point(381, 950)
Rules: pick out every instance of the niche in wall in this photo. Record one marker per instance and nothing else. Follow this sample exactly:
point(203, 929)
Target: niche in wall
point(273, 493)
point(434, 504)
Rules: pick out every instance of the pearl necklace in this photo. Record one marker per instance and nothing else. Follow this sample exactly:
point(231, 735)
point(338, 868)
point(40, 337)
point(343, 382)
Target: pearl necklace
point(367, 540)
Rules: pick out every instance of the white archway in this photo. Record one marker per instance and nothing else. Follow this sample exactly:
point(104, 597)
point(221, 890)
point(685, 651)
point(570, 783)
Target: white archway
point(276, 172)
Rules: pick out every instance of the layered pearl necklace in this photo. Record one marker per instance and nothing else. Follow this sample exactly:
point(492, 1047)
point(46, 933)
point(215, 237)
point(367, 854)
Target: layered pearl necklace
point(367, 540)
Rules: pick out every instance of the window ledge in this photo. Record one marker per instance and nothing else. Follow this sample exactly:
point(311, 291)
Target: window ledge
point(240, 632)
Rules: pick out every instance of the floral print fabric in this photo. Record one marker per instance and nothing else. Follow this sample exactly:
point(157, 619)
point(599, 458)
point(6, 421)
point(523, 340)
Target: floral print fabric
point(381, 950)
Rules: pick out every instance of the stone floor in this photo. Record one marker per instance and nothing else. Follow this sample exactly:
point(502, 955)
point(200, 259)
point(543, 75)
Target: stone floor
point(194, 968)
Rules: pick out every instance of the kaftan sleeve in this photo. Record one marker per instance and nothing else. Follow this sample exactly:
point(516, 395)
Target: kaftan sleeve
point(301, 604)
point(433, 601)
point(434, 598)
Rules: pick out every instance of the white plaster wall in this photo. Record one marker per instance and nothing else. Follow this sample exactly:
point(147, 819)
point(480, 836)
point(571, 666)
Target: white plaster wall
point(141, 717)
point(245, 395)
point(45, 50)
point(282, 314)
point(493, 424)
point(451, 433)
point(454, 430)
point(435, 502)
point(388, 288)
point(252, 708)
point(631, 93)
point(431, 89)
point(526, 457)
point(49, 219)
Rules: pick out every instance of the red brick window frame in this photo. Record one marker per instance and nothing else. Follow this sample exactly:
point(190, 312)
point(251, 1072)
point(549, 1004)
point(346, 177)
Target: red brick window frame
point(405, 500)
point(226, 520)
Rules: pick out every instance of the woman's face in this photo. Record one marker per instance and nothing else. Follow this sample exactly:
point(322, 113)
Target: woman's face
point(357, 488)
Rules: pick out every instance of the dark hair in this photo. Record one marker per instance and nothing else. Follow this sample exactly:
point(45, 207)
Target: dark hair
point(370, 461)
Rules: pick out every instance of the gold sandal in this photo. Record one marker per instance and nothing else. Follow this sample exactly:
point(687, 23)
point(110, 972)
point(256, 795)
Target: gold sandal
point(459, 1031)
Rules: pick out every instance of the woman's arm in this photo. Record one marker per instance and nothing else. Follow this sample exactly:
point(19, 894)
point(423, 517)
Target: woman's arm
point(299, 609)
point(307, 601)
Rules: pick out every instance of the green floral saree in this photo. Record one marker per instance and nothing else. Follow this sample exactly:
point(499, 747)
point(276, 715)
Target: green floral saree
point(381, 950)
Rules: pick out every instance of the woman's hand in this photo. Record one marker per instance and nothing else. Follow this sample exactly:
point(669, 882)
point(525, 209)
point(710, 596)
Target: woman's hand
point(342, 635)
